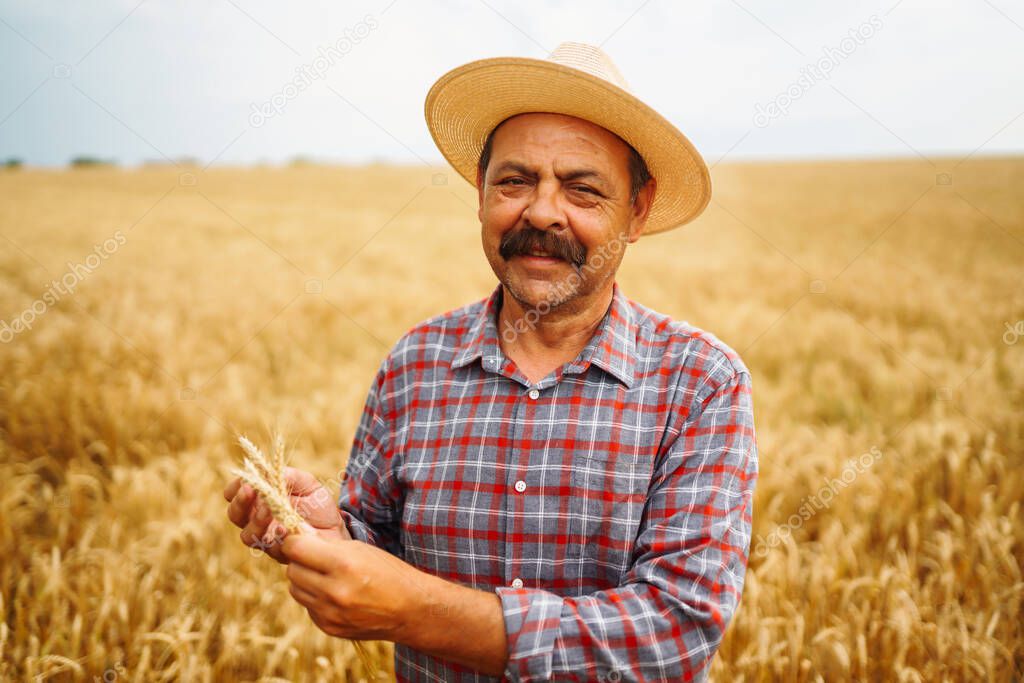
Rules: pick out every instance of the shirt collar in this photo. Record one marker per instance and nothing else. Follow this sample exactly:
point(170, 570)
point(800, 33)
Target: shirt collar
point(611, 348)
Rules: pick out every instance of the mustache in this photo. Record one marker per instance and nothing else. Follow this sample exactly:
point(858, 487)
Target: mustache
point(522, 242)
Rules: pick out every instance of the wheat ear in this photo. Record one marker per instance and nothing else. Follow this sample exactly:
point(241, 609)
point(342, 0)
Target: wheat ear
point(266, 470)
point(277, 461)
point(279, 505)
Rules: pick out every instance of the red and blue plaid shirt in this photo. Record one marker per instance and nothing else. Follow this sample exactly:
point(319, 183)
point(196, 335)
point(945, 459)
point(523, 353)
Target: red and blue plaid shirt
point(607, 505)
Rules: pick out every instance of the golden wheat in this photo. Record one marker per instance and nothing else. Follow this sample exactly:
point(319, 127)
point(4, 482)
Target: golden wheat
point(269, 481)
point(869, 301)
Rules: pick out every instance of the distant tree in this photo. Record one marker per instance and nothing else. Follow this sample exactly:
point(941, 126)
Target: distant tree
point(12, 163)
point(87, 161)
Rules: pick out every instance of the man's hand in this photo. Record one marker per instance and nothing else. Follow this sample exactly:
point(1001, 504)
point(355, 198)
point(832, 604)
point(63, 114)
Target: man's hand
point(358, 591)
point(350, 589)
point(259, 528)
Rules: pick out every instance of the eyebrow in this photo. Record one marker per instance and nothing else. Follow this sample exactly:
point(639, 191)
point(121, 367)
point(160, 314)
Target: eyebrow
point(575, 174)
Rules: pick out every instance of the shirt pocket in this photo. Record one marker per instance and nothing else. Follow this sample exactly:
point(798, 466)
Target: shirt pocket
point(609, 493)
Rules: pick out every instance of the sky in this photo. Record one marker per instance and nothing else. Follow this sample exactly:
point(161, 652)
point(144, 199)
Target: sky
point(744, 80)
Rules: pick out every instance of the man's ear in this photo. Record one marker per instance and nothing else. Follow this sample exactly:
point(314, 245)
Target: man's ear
point(640, 209)
point(480, 195)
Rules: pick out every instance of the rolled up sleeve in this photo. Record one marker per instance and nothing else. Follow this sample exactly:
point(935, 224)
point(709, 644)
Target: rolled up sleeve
point(668, 617)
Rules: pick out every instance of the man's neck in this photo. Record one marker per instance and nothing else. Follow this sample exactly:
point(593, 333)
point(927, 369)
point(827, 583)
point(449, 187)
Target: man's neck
point(561, 333)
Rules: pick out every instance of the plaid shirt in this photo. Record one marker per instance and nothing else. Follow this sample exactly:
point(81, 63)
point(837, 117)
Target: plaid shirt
point(607, 505)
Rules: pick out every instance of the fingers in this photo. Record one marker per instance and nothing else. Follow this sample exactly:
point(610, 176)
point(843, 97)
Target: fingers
point(269, 542)
point(301, 595)
point(275, 532)
point(253, 533)
point(270, 547)
point(274, 551)
point(313, 552)
point(309, 579)
point(272, 541)
point(232, 488)
point(240, 508)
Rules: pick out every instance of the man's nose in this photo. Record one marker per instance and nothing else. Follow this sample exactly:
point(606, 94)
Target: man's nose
point(545, 210)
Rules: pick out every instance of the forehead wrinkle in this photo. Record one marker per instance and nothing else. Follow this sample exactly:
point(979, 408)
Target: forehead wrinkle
point(549, 133)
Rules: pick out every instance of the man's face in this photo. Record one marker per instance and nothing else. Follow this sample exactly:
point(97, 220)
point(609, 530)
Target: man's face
point(559, 185)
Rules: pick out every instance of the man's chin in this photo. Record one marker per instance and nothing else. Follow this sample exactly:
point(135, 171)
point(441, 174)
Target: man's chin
point(541, 293)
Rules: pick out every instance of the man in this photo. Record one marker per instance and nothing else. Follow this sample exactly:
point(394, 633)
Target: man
point(555, 482)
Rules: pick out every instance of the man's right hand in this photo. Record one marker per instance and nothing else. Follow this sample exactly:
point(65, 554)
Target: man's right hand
point(260, 530)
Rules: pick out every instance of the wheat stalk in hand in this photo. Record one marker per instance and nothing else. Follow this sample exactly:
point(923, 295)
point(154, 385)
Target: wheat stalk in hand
point(267, 477)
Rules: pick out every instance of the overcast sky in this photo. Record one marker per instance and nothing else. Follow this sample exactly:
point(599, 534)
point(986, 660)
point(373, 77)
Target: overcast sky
point(147, 80)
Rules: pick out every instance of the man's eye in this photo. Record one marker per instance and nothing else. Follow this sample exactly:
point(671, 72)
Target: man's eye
point(584, 188)
point(506, 181)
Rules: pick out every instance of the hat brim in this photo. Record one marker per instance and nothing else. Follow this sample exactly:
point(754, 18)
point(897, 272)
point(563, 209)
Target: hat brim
point(465, 105)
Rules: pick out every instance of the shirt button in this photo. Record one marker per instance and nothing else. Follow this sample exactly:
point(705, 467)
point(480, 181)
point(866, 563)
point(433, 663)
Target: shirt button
point(517, 582)
point(534, 394)
point(520, 486)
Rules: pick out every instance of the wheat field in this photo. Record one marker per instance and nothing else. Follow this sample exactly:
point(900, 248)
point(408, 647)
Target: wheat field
point(878, 305)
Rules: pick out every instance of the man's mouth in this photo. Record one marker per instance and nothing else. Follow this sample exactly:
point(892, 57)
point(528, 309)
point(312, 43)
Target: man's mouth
point(543, 255)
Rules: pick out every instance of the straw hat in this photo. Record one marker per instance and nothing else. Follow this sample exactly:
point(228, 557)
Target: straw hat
point(577, 79)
